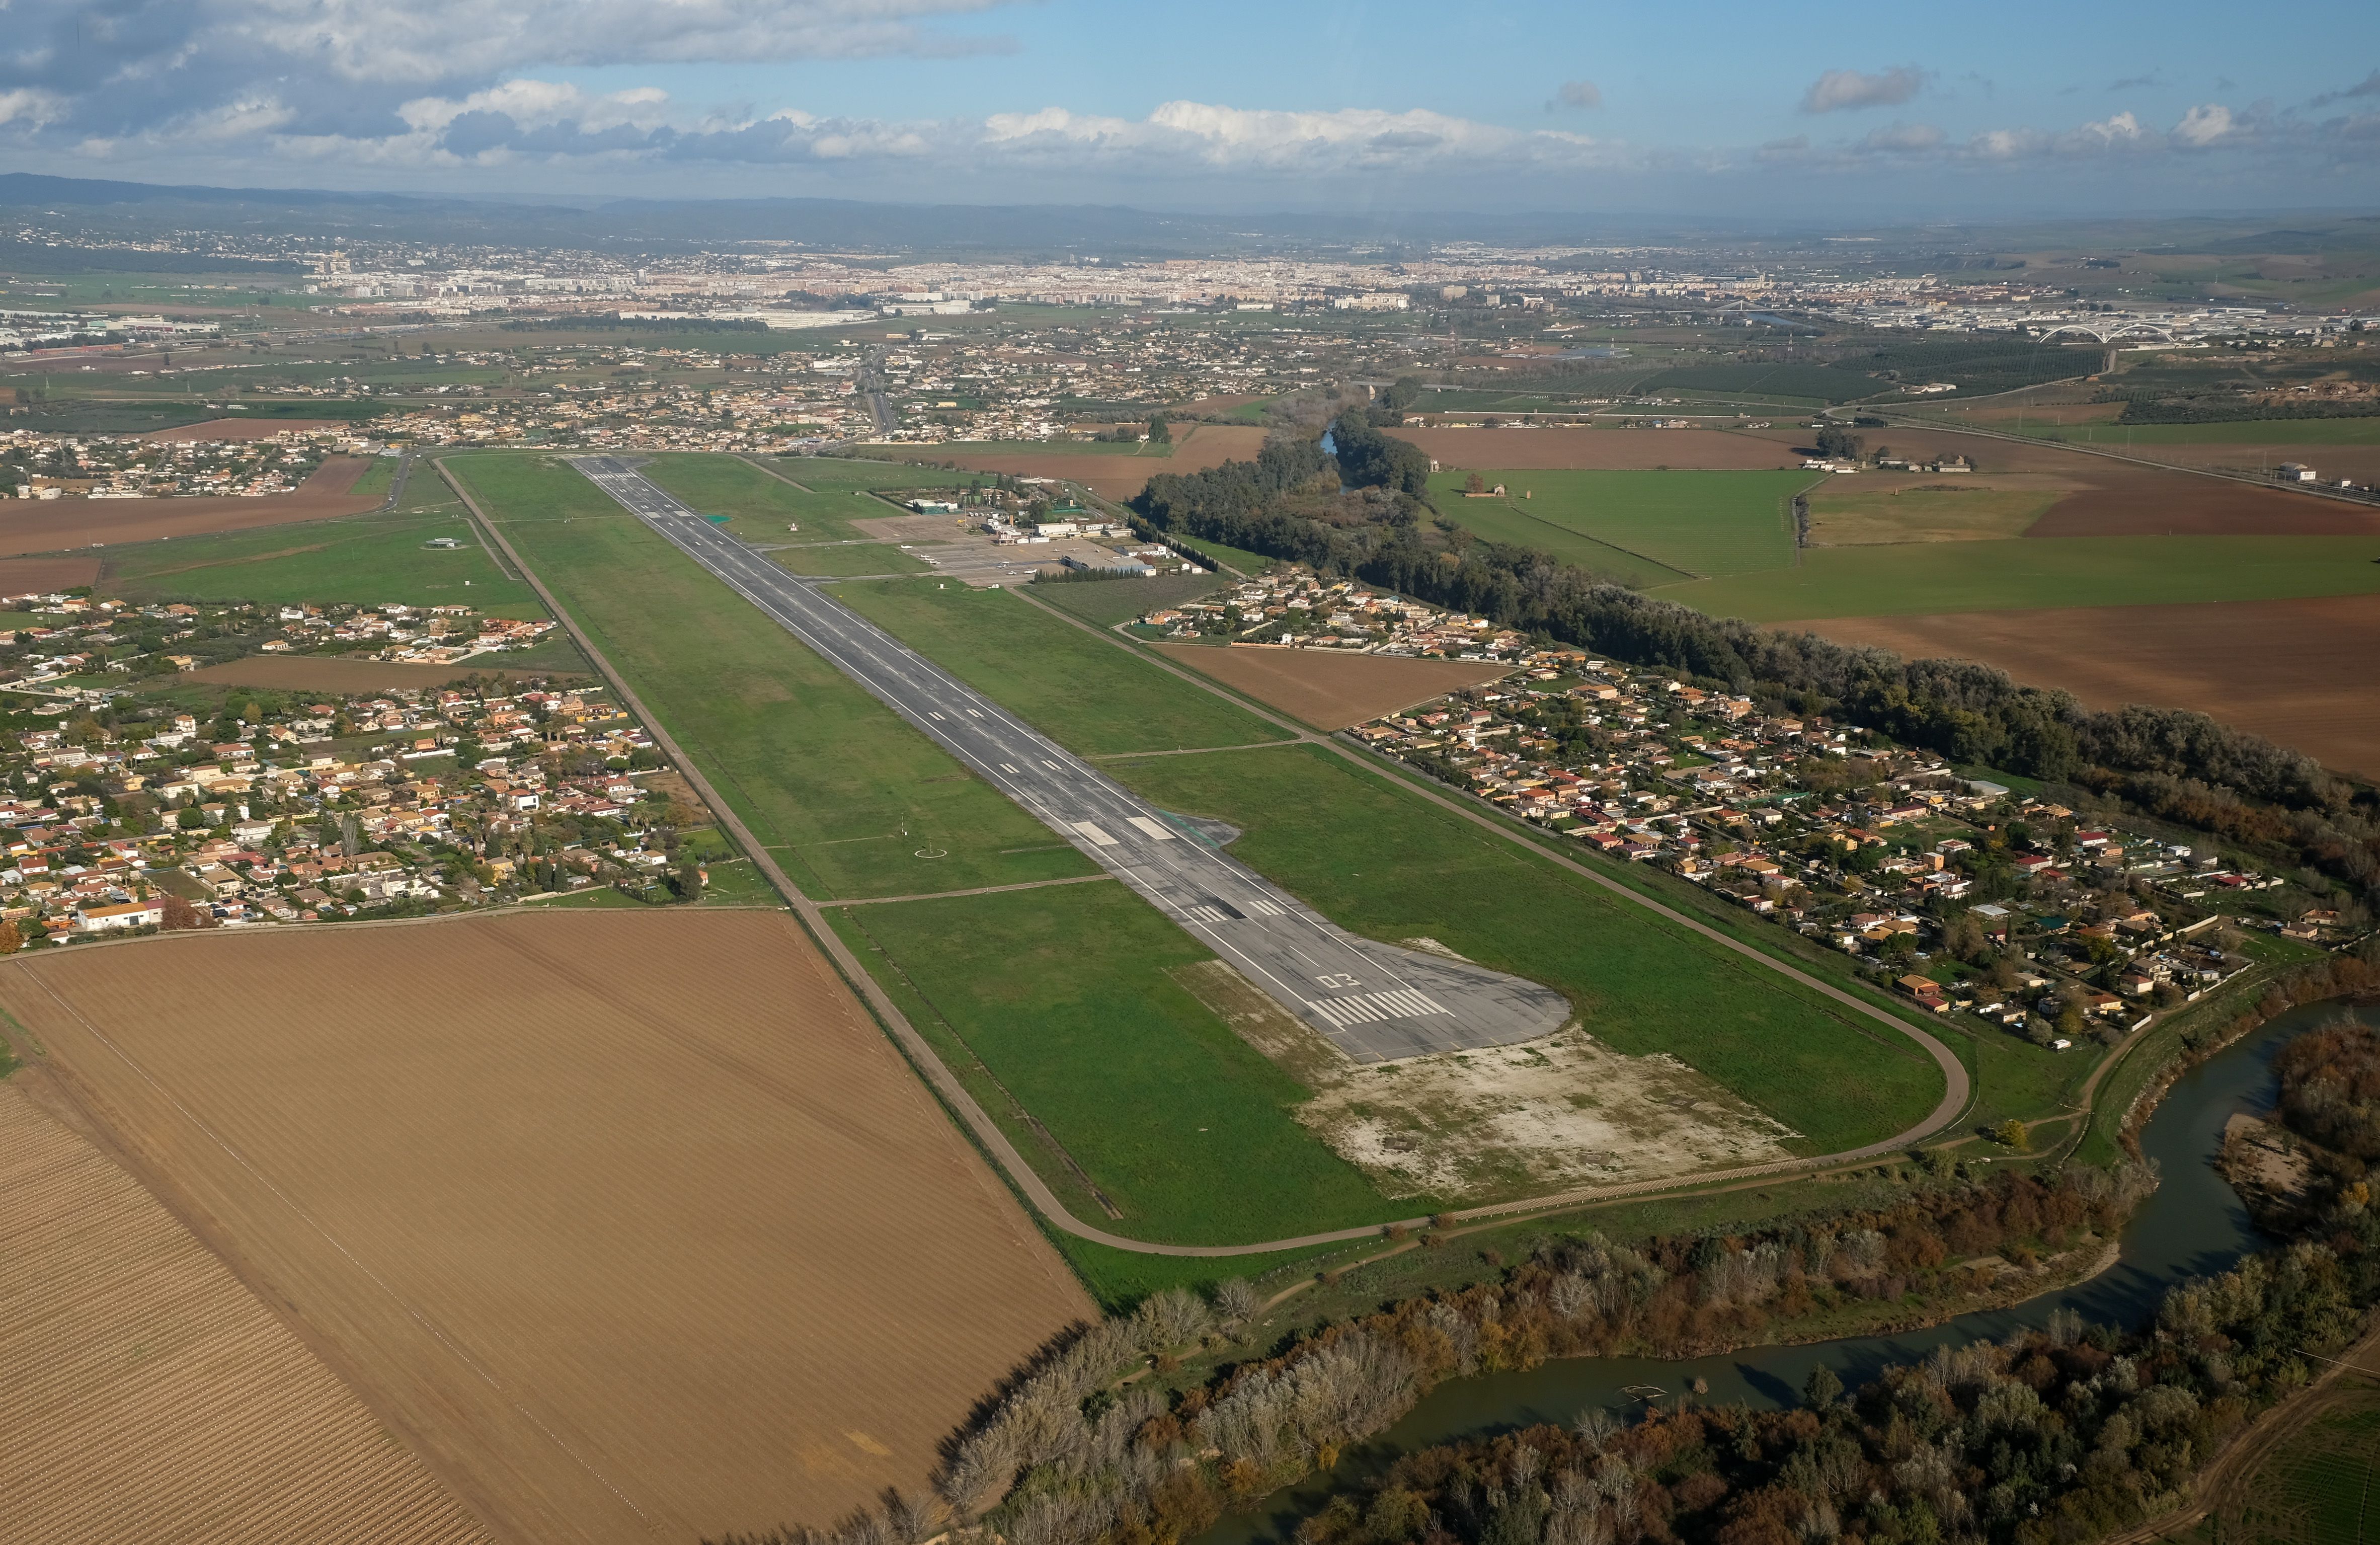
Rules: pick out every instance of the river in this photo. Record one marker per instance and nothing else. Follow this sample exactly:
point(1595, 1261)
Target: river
point(2192, 1225)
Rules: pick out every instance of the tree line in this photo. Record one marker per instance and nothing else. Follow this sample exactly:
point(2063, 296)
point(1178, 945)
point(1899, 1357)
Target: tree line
point(1067, 1455)
point(2176, 763)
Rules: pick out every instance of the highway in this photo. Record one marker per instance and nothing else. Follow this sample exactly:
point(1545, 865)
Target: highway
point(1374, 1002)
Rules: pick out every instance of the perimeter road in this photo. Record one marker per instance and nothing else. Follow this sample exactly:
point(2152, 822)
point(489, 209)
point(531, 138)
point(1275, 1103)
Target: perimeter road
point(995, 1142)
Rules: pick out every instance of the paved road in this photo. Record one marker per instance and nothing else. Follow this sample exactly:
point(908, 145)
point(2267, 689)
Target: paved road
point(1374, 1002)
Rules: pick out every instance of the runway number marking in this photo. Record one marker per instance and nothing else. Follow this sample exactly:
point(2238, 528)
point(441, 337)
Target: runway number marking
point(1341, 981)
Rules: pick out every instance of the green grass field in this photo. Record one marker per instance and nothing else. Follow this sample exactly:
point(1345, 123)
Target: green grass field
point(1388, 866)
point(1502, 520)
point(1060, 995)
point(1083, 692)
point(847, 560)
point(1109, 602)
point(2314, 1489)
point(847, 795)
point(2243, 432)
point(364, 559)
point(377, 477)
point(2068, 571)
point(1699, 523)
point(841, 475)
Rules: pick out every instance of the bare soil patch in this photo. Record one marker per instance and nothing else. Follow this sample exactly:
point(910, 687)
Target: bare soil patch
point(53, 525)
point(1332, 689)
point(1555, 1114)
point(632, 1222)
point(43, 576)
point(279, 672)
point(2136, 502)
point(150, 1395)
point(2296, 672)
point(1119, 476)
point(1596, 450)
point(2359, 464)
point(244, 429)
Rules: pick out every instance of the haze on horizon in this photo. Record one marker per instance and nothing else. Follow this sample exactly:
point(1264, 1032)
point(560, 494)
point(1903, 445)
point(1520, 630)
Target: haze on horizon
point(1862, 111)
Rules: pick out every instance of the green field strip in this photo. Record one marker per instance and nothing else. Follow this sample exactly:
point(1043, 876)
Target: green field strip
point(1917, 579)
point(860, 803)
point(1081, 691)
point(1697, 523)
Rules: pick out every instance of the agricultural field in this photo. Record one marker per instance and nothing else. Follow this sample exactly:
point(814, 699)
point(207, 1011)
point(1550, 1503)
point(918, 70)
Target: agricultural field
point(2292, 671)
point(1327, 689)
point(367, 559)
point(716, 1171)
point(1109, 602)
point(1388, 866)
point(26, 576)
point(1120, 473)
point(1565, 448)
point(1862, 511)
point(2360, 431)
point(1922, 577)
point(1697, 523)
point(122, 1335)
point(1081, 691)
point(286, 672)
point(1516, 523)
point(53, 525)
point(2312, 1488)
point(850, 799)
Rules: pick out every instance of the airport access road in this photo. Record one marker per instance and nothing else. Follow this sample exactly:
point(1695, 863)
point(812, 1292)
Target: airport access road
point(1374, 1002)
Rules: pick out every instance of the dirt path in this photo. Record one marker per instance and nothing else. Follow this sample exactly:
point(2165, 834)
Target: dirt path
point(996, 1142)
point(775, 473)
point(2252, 1446)
point(975, 891)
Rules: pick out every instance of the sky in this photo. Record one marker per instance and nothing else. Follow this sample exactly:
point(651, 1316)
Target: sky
point(1716, 111)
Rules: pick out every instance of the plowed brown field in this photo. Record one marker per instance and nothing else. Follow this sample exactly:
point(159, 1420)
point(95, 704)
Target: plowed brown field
point(243, 429)
point(632, 1222)
point(2296, 672)
point(152, 1396)
point(274, 673)
point(1597, 450)
point(2114, 498)
point(1326, 688)
point(42, 576)
point(55, 524)
point(1117, 477)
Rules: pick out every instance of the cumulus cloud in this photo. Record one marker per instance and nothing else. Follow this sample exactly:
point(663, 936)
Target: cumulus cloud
point(1578, 94)
point(2203, 124)
point(341, 69)
point(1843, 89)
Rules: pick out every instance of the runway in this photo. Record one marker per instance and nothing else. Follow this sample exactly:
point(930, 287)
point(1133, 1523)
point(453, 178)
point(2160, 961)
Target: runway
point(1375, 1001)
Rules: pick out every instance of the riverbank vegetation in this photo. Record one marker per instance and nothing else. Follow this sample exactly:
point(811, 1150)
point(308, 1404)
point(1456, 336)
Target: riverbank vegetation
point(1098, 1445)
